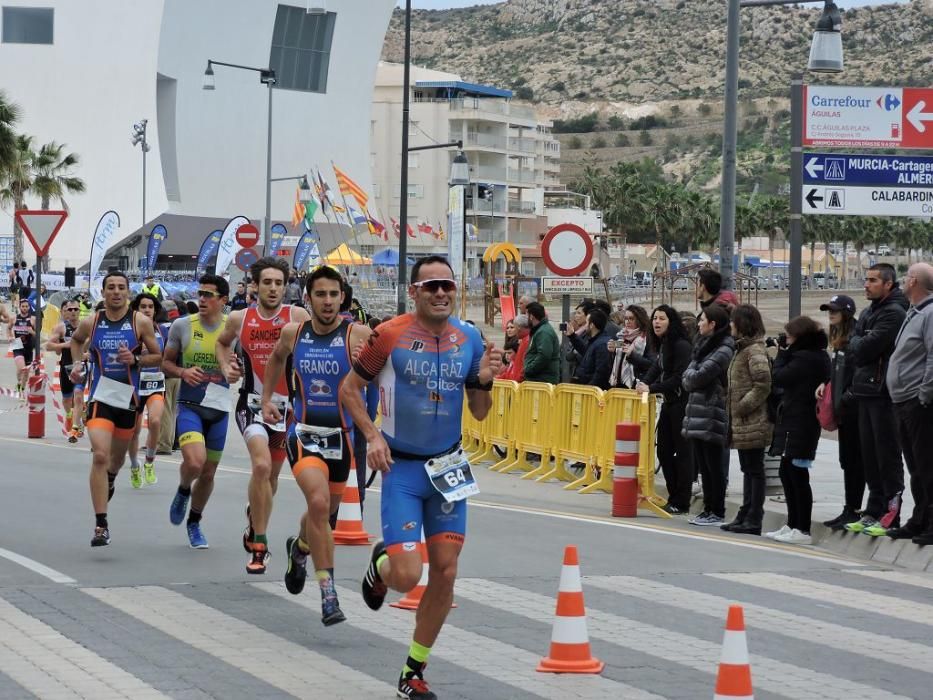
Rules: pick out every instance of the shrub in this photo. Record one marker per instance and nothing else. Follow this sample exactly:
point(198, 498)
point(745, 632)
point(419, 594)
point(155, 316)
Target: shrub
point(621, 140)
point(644, 138)
point(575, 143)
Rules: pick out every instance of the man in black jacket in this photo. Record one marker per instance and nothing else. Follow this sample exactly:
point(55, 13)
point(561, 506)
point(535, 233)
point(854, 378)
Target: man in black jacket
point(870, 348)
point(596, 364)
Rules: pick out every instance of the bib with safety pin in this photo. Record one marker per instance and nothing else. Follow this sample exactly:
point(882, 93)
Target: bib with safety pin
point(326, 442)
point(113, 393)
point(151, 383)
point(216, 397)
point(254, 404)
point(451, 476)
point(16, 344)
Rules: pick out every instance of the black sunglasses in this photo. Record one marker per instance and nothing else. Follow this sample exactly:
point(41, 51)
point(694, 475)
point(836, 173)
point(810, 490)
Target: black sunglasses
point(431, 286)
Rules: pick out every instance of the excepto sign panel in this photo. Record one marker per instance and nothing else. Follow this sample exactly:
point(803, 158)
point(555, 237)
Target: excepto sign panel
point(867, 201)
point(846, 169)
point(566, 285)
point(880, 117)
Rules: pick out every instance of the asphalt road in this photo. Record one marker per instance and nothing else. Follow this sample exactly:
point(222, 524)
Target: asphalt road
point(149, 617)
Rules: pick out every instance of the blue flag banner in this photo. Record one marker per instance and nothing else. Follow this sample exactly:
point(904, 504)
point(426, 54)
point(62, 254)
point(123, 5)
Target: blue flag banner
point(105, 232)
point(156, 237)
point(208, 251)
point(302, 250)
point(278, 235)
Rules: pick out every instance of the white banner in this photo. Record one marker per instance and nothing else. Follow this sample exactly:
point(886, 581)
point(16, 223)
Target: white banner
point(566, 285)
point(105, 233)
point(228, 248)
point(455, 230)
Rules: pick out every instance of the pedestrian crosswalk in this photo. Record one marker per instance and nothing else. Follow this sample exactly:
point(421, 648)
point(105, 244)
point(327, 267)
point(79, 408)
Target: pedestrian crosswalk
point(660, 637)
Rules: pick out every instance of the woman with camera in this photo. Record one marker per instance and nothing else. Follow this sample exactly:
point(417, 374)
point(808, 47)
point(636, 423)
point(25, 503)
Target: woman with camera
point(631, 357)
point(668, 340)
point(800, 367)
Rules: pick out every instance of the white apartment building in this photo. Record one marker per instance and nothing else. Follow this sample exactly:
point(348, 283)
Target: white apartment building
point(83, 71)
point(513, 159)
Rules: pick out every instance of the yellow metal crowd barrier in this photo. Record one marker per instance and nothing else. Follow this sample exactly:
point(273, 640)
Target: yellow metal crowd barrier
point(566, 422)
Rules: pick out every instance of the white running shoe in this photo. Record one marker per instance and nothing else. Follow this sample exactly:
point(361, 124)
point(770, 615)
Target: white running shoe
point(795, 536)
point(774, 534)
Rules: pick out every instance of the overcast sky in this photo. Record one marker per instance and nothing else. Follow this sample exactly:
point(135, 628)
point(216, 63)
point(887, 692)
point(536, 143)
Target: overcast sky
point(439, 4)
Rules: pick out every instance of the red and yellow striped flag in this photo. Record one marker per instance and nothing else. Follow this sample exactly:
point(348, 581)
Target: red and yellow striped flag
point(348, 187)
point(298, 213)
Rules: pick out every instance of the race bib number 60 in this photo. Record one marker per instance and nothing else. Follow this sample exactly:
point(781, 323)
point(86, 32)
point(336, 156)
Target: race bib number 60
point(451, 476)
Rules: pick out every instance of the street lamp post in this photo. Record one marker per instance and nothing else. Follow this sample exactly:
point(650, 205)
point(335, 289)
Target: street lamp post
point(139, 138)
point(825, 57)
point(460, 178)
point(266, 77)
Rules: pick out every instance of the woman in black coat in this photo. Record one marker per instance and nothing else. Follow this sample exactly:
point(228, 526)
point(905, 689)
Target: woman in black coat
point(705, 421)
point(668, 339)
point(799, 368)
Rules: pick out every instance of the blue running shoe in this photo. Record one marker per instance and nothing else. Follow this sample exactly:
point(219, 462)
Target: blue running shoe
point(196, 538)
point(179, 507)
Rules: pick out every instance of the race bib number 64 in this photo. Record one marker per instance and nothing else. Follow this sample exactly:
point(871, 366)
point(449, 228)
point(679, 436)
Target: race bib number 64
point(451, 476)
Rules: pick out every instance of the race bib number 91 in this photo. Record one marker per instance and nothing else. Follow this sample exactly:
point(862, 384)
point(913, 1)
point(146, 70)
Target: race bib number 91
point(451, 476)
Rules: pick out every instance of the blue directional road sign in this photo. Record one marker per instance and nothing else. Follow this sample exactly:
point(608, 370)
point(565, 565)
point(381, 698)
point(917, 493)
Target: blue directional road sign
point(867, 170)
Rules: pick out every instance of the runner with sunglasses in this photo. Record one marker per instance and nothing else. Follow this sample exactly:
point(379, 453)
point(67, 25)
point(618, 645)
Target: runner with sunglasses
point(60, 342)
point(423, 362)
point(257, 328)
point(203, 403)
point(318, 354)
point(120, 342)
point(23, 331)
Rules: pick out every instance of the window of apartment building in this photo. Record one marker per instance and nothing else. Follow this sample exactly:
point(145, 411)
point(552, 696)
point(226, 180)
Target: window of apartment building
point(28, 25)
point(414, 191)
point(413, 160)
point(300, 54)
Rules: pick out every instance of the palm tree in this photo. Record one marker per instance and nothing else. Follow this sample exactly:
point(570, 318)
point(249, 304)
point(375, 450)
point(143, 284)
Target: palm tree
point(16, 184)
point(9, 115)
point(45, 173)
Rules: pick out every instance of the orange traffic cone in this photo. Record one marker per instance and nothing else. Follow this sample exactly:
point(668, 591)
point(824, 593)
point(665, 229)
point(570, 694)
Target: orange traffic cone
point(570, 643)
point(734, 681)
point(412, 599)
point(350, 528)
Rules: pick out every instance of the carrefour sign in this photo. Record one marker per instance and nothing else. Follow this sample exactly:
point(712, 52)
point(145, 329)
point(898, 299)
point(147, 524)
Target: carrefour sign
point(879, 117)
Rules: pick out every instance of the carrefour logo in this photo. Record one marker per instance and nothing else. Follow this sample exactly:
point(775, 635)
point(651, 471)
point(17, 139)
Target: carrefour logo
point(888, 102)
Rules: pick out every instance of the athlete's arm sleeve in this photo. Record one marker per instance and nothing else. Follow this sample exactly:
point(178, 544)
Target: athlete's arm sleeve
point(476, 345)
point(374, 355)
point(176, 337)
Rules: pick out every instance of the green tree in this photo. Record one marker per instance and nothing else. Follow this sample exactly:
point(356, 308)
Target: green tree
point(644, 138)
point(9, 115)
point(17, 181)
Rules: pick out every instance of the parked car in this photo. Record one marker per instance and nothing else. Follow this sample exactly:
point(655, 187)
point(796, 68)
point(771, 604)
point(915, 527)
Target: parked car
point(643, 279)
point(680, 284)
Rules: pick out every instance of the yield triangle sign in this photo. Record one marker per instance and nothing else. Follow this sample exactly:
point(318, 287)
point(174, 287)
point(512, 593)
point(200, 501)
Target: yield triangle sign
point(41, 226)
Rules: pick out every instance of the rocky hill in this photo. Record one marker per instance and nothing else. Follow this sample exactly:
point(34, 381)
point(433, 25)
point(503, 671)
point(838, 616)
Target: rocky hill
point(574, 56)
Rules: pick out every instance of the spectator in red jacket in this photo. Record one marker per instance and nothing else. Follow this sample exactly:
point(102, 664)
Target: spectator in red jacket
point(515, 370)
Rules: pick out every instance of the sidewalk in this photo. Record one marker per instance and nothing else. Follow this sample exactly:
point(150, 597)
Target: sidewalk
point(827, 485)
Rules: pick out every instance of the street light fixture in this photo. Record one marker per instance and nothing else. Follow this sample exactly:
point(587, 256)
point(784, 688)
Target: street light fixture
point(267, 78)
point(825, 56)
point(460, 177)
point(826, 48)
point(139, 138)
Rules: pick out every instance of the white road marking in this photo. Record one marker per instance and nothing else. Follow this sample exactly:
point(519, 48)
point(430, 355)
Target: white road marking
point(279, 662)
point(48, 664)
point(862, 601)
point(896, 577)
point(783, 679)
point(507, 664)
point(897, 651)
point(37, 567)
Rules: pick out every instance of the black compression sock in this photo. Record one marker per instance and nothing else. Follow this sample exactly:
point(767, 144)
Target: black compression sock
point(184, 490)
point(194, 516)
point(333, 521)
point(101, 519)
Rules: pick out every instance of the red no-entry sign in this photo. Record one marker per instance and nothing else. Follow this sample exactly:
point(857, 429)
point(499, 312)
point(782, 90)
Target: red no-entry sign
point(247, 235)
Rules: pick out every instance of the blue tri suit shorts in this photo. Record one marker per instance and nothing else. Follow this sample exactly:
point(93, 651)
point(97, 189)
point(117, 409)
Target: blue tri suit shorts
point(200, 424)
point(410, 502)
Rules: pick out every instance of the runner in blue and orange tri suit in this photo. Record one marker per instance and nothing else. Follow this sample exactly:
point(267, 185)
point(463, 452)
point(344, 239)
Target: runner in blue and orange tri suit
point(121, 341)
point(151, 390)
point(423, 362)
point(257, 328)
point(203, 403)
point(318, 354)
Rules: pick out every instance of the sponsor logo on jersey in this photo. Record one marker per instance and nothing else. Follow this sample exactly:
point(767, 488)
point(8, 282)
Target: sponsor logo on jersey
point(253, 323)
point(410, 525)
point(453, 337)
point(126, 326)
point(278, 321)
point(306, 338)
point(435, 397)
point(337, 342)
point(447, 508)
point(409, 546)
point(198, 334)
point(417, 346)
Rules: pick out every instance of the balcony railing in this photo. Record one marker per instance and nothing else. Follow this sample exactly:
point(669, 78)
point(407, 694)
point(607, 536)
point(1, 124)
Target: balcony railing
point(489, 106)
point(516, 207)
point(523, 145)
point(488, 172)
point(523, 176)
point(483, 140)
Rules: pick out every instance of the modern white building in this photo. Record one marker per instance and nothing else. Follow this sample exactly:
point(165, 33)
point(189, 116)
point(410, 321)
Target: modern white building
point(84, 71)
point(513, 158)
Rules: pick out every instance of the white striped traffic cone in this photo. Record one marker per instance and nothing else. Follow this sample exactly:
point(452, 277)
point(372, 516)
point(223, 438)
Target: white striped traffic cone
point(570, 642)
point(734, 681)
point(412, 599)
point(350, 530)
